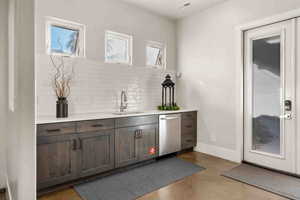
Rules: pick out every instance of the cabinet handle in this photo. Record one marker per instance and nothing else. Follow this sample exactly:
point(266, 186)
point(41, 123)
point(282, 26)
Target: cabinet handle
point(53, 130)
point(138, 134)
point(80, 144)
point(97, 125)
point(189, 140)
point(74, 144)
point(189, 126)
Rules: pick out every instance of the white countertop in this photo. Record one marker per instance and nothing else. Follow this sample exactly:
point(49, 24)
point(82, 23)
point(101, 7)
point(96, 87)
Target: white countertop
point(93, 116)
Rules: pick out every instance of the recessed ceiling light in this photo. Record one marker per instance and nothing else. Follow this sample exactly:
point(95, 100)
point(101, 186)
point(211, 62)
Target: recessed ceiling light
point(186, 4)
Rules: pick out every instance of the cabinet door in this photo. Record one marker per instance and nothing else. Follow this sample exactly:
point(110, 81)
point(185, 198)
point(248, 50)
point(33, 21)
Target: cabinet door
point(96, 152)
point(56, 160)
point(126, 146)
point(147, 141)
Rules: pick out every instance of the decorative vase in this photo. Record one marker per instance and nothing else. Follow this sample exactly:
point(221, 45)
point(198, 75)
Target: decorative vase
point(62, 107)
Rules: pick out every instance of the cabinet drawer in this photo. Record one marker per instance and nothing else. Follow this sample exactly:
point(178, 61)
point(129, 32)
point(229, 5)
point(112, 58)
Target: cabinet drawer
point(188, 141)
point(189, 133)
point(56, 129)
point(189, 116)
point(188, 126)
point(95, 125)
point(136, 121)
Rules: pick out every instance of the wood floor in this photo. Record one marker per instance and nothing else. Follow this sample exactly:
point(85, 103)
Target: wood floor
point(205, 185)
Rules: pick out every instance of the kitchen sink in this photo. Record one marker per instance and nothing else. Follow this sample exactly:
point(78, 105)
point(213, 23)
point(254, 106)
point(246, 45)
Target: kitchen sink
point(127, 113)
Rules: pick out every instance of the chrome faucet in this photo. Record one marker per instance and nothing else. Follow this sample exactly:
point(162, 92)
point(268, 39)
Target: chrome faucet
point(124, 103)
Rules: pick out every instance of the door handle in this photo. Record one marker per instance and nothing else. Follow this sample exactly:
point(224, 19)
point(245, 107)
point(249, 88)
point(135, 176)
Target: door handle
point(288, 109)
point(288, 105)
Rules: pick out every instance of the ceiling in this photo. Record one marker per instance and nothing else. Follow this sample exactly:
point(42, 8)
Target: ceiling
point(174, 8)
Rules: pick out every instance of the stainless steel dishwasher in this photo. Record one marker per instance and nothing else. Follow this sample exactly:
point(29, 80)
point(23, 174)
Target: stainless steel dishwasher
point(169, 134)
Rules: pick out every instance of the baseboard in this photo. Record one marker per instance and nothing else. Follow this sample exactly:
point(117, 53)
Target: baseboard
point(8, 190)
point(220, 152)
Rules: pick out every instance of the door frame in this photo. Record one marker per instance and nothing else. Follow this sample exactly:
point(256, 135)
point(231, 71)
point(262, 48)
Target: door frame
point(239, 52)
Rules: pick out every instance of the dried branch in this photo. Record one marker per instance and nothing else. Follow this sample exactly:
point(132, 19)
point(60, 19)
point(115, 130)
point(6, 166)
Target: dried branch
point(61, 79)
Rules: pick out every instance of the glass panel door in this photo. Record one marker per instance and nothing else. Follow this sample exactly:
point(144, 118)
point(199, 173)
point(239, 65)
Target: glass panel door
point(266, 74)
point(269, 95)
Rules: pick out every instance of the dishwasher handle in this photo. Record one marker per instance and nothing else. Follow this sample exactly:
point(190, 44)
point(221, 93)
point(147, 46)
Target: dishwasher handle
point(169, 118)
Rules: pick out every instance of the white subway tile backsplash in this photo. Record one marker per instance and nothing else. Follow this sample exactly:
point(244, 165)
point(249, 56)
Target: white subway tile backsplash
point(97, 87)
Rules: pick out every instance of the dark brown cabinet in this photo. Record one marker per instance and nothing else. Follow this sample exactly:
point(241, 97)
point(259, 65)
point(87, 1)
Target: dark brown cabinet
point(135, 144)
point(188, 130)
point(71, 150)
point(96, 152)
point(56, 159)
point(68, 151)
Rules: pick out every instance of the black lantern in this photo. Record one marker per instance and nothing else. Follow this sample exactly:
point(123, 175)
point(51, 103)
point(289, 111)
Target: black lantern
point(168, 95)
point(168, 92)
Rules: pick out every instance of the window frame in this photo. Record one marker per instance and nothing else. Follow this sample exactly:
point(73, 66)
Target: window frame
point(123, 36)
point(80, 47)
point(157, 45)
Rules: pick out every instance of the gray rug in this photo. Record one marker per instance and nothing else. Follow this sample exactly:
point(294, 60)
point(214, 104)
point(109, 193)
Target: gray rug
point(138, 181)
point(283, 185)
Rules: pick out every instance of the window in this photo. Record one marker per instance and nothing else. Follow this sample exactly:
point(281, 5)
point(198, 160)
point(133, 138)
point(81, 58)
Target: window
point(118, 48)
point(65, 38)
point(155, 55)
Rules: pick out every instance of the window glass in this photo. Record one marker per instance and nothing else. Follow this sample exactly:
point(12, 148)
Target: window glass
point(63, 40)
point(267, 91)
point(117, 48)
point(155, 54)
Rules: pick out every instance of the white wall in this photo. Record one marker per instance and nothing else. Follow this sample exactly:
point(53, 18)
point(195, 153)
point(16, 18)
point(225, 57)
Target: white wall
point(97, 86)
point(206, 58)
point(21, 127)
point(3, 87)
